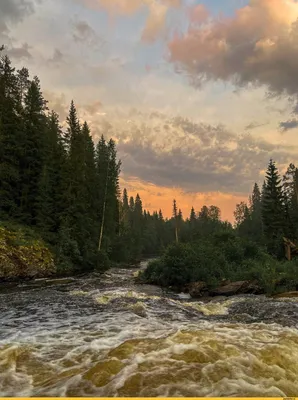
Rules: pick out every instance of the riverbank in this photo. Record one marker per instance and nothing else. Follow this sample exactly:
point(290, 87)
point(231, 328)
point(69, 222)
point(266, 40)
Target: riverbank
point(221, 264)
point(24, 256)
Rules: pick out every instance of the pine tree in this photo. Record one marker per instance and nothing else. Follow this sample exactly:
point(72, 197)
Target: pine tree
point(137, 227)
point(11, 139)
point(50, 201)
point(192, 217)
point(89, 189)
point(125, 209)
point(160, 216)
point(290, 192)
point(204, 213)
point(108, 186)
point(33, 155)
point(273, 209)
point(256, 215)
point(76, 195)
point(175, 216)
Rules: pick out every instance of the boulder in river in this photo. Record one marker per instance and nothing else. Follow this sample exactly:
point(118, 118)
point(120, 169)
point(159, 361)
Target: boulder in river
point(197, 289)
point(287, 295)
point(239, 287)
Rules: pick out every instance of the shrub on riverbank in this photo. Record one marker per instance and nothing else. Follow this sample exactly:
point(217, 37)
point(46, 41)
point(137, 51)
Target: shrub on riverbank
point(23, 254)
point(221, 257)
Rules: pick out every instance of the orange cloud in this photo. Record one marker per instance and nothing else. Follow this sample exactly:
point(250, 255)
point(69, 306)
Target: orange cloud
point(258, 45)
point(155, 23)
point(198, 14)
point(158, 197)
point(115, 6)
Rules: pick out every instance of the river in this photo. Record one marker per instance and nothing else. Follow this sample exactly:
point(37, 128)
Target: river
point(106, 336)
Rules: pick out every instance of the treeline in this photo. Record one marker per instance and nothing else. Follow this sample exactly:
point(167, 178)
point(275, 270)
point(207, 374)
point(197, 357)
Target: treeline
point(53, 180)
point(60, 183)
point(209, 251)
point(271, 213)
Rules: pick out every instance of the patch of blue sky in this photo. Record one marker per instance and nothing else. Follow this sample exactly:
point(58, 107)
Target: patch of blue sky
point(223, 7)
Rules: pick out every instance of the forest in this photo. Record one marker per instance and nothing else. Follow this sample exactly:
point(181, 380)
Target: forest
point(59, 185)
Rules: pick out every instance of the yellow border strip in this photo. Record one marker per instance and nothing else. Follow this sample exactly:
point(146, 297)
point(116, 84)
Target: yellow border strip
point(152, 398)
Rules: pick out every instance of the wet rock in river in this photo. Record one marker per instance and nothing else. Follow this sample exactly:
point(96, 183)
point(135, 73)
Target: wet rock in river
point(150, 290)
point(197, 289)
point(139, 309)
point(287, 294)
point(239, 287)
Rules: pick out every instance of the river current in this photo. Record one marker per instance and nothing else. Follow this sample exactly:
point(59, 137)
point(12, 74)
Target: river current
point(106, 336)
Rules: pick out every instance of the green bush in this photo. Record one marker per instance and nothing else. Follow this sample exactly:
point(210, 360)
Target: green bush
point(221, 256)
point(103, 262)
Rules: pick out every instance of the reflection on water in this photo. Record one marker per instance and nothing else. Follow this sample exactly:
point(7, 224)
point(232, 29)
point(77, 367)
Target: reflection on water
point(113, 338)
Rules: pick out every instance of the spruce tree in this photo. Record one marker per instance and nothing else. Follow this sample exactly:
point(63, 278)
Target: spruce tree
point(176, 223)
point(50, 200)
point(273, 210)
point(290, 191)
point(11, 139)
point(33, 155)
point(137, 227)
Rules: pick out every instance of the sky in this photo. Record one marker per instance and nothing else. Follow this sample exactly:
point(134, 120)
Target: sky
point(198, 95)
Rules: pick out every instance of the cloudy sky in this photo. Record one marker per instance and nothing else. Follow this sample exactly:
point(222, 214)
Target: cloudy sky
point(198, 94)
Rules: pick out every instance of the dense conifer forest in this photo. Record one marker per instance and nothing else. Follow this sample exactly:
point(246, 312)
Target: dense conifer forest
point(65, 188)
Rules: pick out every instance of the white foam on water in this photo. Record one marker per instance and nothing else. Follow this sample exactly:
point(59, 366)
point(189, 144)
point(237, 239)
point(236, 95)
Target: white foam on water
point(107, 352)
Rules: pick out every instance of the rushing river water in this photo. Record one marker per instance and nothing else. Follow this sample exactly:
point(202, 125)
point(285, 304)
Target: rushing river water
point(109, 337)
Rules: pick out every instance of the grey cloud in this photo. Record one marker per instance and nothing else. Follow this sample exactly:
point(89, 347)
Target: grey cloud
point(288, 125)
point(12, 12)
point(57, 58)
point(57, 103)
point(20, 52)
point(254, 125)
point(207, 159)
point(295, 109)
point(15, 10)
point(83, 33)
point(93, 108)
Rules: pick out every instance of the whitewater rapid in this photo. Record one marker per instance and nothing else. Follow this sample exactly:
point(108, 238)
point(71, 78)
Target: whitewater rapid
point(106, 336)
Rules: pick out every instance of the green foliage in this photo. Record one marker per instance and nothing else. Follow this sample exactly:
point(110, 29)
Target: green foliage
point(221, 256)
point(102, 262)
point(66, 188)
point(55, 181)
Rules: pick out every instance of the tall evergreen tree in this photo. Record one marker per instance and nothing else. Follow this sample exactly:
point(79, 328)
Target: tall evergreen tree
point(290, 192)
point(50, 201)
point(33, 155)
point(11, 139)
point(176, 223)
point(273, 209)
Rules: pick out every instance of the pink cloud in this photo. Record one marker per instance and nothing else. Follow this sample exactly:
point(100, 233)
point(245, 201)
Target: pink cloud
point(156, 21)
point(258, 45)
point(198, 14)
point(125, 7)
